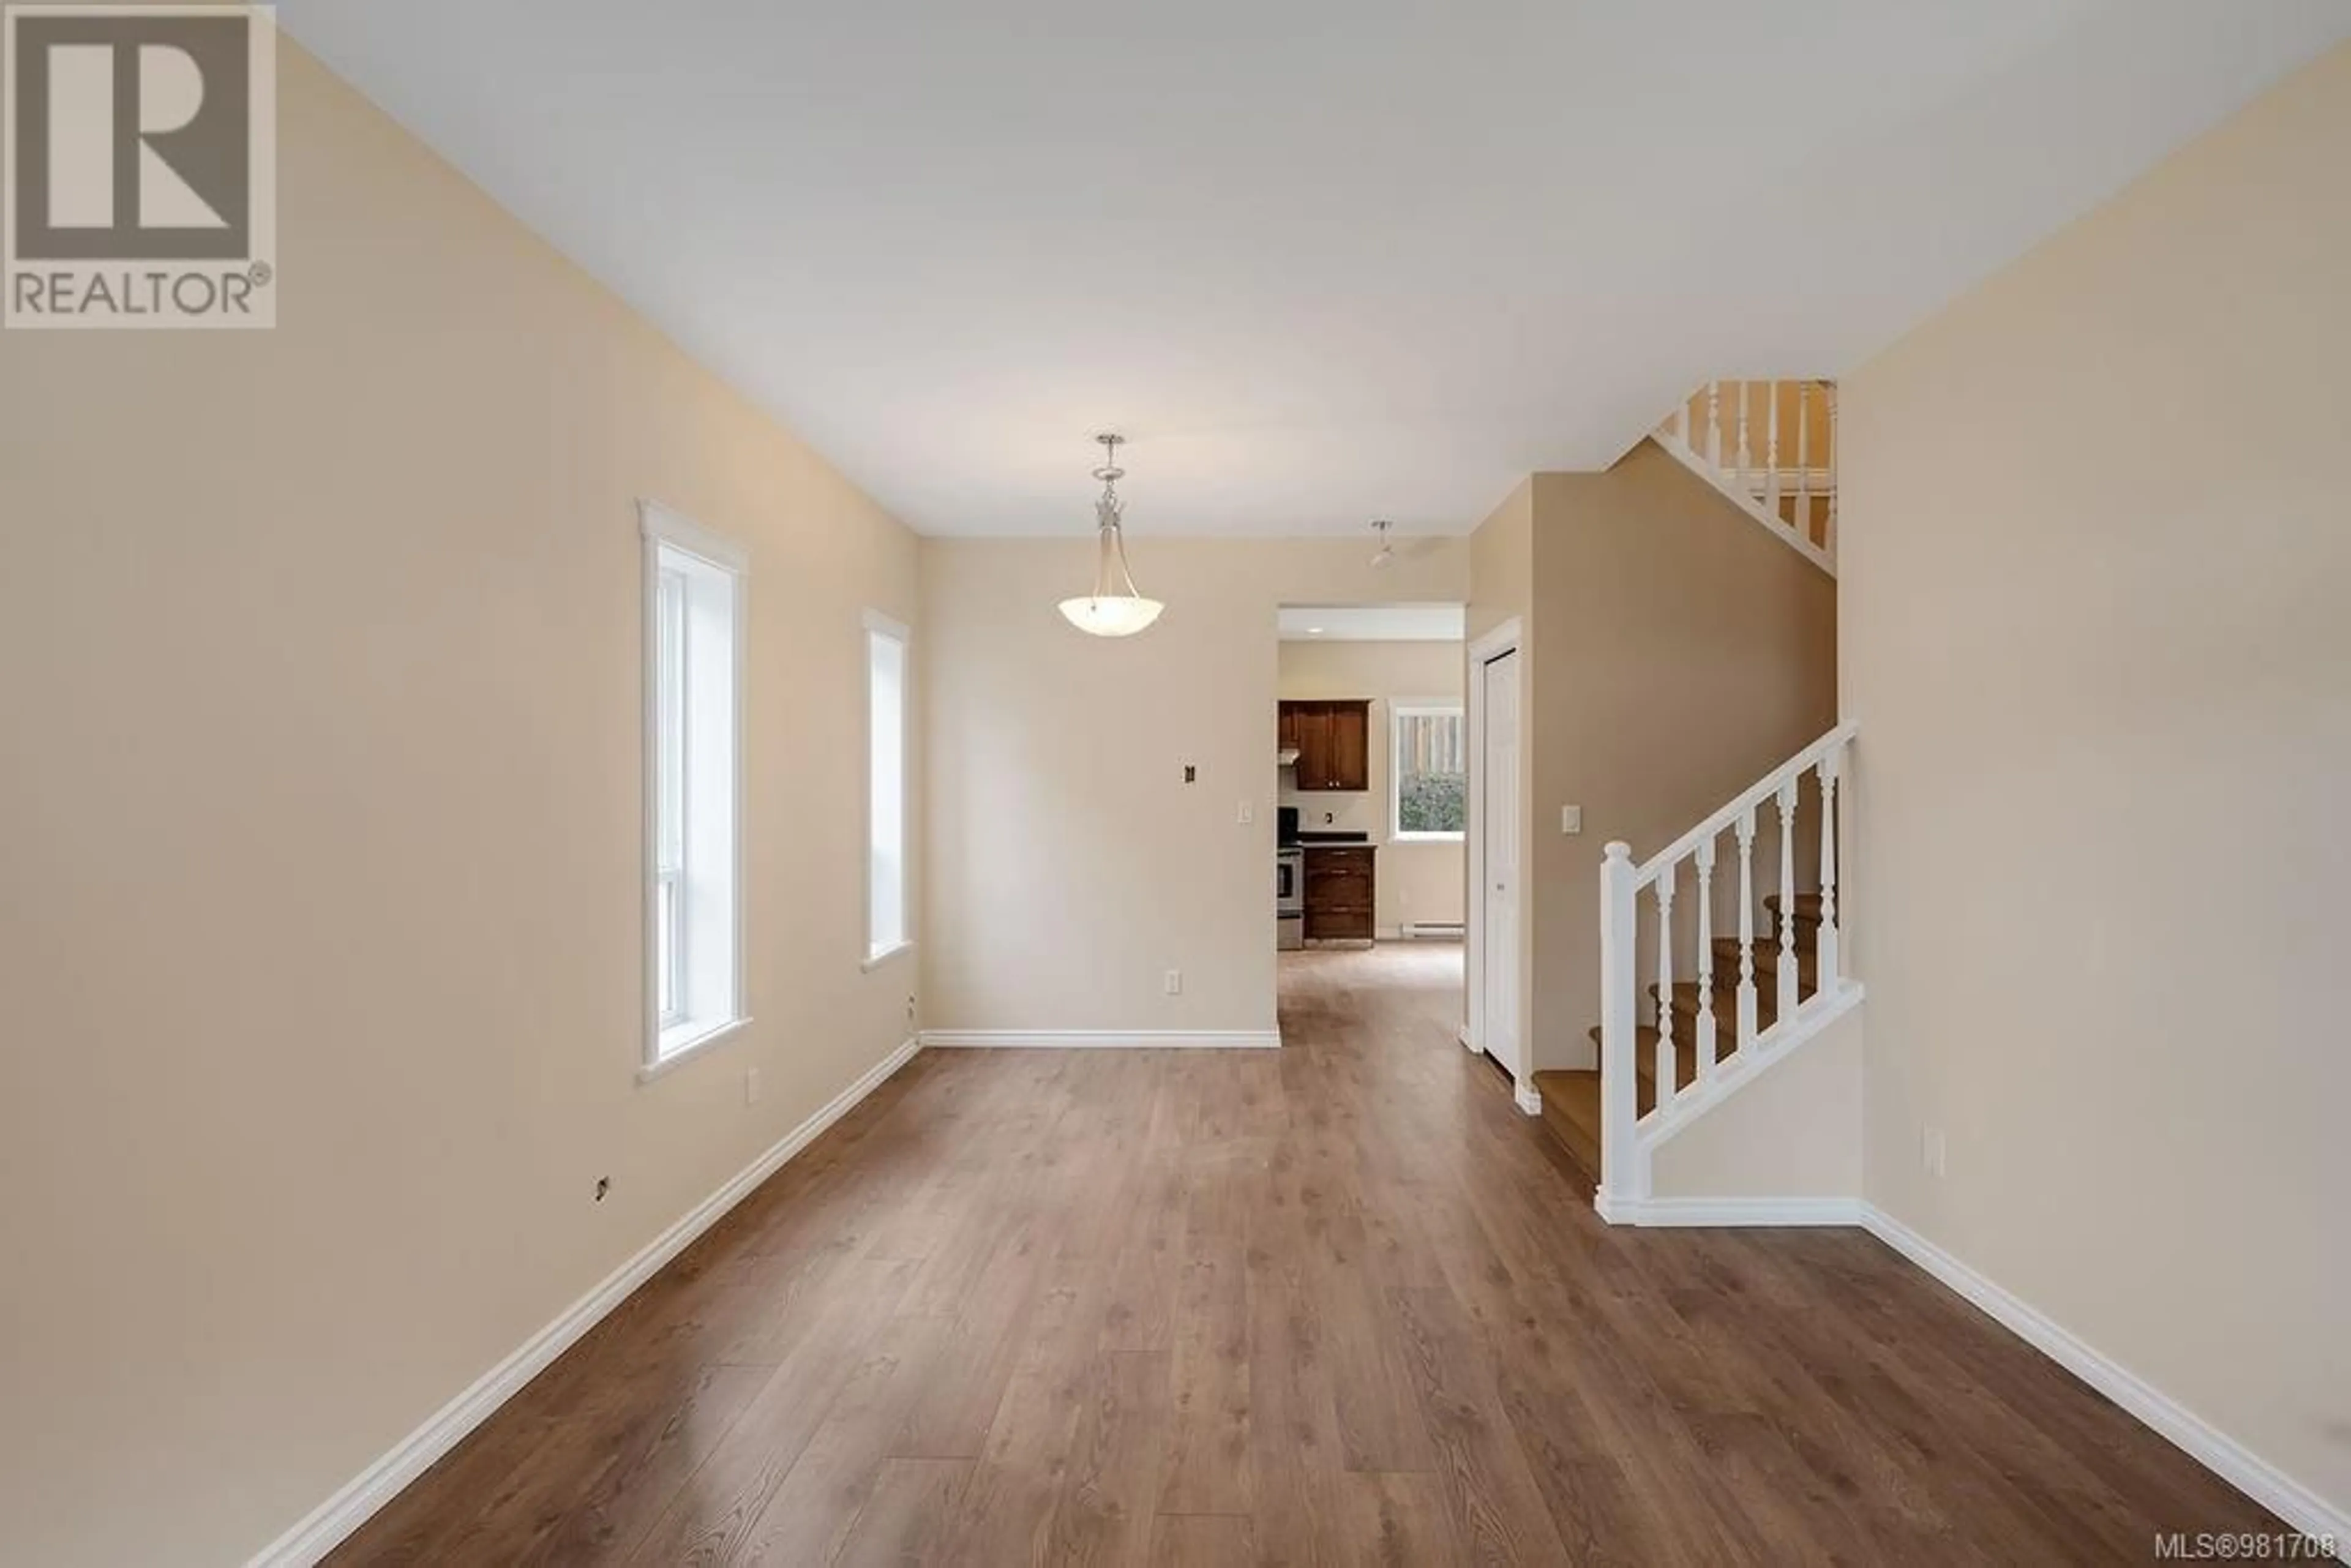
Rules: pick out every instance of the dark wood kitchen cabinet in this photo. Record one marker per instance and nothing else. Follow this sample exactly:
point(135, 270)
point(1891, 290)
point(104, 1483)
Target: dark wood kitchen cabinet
point(1340, 893)
point(1334, 740)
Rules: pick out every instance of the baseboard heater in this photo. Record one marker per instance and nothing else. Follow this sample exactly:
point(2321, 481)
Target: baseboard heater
point(1432, 930)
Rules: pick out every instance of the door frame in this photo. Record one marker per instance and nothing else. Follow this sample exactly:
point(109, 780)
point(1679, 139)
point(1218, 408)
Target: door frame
point(1507, 638)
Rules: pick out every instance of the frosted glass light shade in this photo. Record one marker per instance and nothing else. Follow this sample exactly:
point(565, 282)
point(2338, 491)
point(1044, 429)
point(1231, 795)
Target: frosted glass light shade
point(1111, 615)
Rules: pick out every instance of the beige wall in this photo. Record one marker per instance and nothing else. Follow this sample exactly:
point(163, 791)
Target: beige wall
point(321, 838)
point(1684, 652)
point(1795, 1131)
point(1415, 881)
point(2104, 698)
point(1069, 864)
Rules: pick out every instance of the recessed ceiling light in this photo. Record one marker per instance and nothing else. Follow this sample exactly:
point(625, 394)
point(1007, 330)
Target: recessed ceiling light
point(1314, 631)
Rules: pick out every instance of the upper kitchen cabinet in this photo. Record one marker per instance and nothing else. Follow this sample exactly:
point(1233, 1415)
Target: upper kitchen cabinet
point(1333, 741)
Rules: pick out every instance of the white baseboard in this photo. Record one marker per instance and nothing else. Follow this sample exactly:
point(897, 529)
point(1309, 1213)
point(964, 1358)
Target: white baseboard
point(1670, 1211)
point(1092, 1040)
point(2292, 1501)
point(332, 1520)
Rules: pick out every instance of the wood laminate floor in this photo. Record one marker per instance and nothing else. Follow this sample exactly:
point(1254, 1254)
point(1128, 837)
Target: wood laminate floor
point(1336, 1303)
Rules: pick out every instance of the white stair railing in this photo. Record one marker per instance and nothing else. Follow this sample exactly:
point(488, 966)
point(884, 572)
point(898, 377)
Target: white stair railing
point(1796, 1010)
point(1719, 430)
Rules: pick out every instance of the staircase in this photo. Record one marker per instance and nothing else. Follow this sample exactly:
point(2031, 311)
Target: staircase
point(1752, 997)
point(1770, 447)
point(1570, 1098)
point(1691, 1007)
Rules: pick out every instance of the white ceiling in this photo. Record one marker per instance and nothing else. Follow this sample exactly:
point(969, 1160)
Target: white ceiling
point(1322, 260)
point(1374, 623)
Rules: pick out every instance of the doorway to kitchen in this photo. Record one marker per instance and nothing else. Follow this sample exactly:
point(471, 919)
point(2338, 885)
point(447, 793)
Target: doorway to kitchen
point(1372, 774)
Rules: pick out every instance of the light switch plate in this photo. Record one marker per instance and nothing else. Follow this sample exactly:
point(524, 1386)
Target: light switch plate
point(1248, 812)
point(1570, 819)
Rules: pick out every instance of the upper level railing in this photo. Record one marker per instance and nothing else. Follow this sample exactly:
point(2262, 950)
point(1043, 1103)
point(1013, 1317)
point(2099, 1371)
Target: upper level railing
point(1772, 446)
point(1804, 981)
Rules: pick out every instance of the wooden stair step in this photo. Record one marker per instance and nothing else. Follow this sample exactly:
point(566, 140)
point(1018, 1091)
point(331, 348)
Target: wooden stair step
point(1767, 963)
point(1726, 991)
point(1767, 940)
point(1726, 1005)
point(1645, 1062)
point(1808, 909)
point(1571, 1109)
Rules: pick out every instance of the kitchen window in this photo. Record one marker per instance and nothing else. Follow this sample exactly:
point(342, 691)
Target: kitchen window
point(694, 628)
point(886, 812)
point(1428, 773)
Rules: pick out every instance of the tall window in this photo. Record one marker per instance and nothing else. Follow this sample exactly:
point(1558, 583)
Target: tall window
point(695, 627)
point(1428, 775)
point(885, 811)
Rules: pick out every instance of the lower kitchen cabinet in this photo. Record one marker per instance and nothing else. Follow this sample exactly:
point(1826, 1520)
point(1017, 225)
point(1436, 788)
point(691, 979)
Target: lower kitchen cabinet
point(1339, 892)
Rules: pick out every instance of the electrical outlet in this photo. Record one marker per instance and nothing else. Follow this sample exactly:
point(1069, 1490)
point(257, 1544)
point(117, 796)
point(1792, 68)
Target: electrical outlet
point(603, 1185)
point(1175, 982)
point(1247, 812)
point(1931, 1151)
point(1570, 819)
point(750, 1086)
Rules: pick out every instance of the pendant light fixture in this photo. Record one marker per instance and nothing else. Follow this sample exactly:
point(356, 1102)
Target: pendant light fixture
point(1113, 609)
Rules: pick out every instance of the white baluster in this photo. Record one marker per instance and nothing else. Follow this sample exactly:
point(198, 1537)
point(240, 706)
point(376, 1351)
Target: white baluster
point(1713, 423)
point(1804, 460)
point(1668, 1080)
point(1622, 1171)
point(1746, 459)
point(1705, 960)
point(1825, 948)
point(1787, 1000)
point(1836, 466)
point(1747, 928)
point(1771, 451)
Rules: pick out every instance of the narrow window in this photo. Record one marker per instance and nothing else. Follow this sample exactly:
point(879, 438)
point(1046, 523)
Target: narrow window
point(885, 810)
point(694, 628)
point(1428, 774)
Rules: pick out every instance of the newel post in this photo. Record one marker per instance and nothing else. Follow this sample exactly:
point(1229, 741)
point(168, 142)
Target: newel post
point(1621, 1177)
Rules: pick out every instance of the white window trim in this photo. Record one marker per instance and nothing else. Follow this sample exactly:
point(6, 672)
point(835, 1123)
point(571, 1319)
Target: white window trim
point(875, 622)
point(669, 1045)
point(1400, 709)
